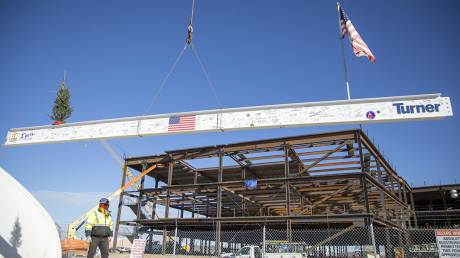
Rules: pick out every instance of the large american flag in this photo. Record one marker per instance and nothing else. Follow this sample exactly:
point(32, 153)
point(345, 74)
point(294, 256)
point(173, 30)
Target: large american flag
point(359, 47)
point(181, 123)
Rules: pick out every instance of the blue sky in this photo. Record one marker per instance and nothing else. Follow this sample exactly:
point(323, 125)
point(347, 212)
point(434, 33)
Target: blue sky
point(117, 54)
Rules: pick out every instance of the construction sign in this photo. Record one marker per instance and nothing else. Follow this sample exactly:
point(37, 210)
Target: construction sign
point(138, 248)
point(448, 243)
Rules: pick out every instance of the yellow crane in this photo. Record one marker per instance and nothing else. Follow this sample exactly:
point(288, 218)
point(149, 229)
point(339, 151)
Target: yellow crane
point(74, 226)
point(71, 243)
point(71, 246)
point(136, 186)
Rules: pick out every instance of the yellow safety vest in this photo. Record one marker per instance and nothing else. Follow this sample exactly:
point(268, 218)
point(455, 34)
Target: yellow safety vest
point(99, 225)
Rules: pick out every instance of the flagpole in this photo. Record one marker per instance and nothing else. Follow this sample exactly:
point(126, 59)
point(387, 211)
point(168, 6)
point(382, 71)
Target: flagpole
point(345, 69)
point(343, 53)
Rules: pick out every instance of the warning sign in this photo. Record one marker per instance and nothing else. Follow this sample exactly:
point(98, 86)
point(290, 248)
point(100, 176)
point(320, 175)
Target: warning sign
point(138, 248)
point(448, 243)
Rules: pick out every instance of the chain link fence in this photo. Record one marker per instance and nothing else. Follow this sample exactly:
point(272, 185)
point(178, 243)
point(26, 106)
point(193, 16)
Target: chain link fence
point(349, 242)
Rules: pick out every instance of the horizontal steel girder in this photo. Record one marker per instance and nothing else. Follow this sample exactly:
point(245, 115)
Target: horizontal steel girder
point(357, 111)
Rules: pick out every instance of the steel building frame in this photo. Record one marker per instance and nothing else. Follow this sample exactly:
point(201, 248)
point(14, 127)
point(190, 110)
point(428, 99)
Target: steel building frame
point(337, 179)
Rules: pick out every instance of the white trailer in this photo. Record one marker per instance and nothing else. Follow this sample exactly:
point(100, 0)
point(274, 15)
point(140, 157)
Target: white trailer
point(256, 252)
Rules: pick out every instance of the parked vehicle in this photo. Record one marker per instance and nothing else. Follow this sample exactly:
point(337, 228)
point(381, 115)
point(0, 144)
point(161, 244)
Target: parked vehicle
point(124, 250)
point(256, 252)
point(227, 255)
point(153, 248)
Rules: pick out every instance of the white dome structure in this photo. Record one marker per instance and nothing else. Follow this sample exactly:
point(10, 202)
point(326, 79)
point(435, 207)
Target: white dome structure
point(26, 229)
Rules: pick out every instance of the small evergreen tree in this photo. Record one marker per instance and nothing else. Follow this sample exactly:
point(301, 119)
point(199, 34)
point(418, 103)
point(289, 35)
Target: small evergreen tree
point(62, 109)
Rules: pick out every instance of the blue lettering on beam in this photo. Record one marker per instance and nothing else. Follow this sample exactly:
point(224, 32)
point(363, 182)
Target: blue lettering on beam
point(410, 109)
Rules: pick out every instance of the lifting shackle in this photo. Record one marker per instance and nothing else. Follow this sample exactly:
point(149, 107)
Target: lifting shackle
point(190, 28)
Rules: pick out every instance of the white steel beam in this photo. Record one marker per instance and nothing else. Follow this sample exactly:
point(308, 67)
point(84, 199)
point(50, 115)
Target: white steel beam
point(357, 111)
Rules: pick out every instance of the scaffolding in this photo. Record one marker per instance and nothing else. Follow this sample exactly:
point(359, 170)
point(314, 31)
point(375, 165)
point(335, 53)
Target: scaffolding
point(335, 179)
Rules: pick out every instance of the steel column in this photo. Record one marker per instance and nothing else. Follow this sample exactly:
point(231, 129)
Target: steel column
point(154, 210)
point(195, 181)
point(382, 195)
point(403, 210)
point(139, 201)
point(120, 205)
point(394, 201)
point(219, 202)
point(168, 200)
point(288, 190)
point(413, 208)
point(407, 203)
point(243, 200)
point(363, 178)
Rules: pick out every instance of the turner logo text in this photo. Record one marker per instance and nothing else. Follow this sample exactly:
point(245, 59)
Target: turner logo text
point(410, 109)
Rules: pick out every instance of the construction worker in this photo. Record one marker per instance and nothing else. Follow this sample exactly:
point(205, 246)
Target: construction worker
point(98, 229)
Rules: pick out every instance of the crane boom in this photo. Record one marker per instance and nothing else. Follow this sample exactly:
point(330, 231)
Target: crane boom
point(136, 186)
point(72, 227)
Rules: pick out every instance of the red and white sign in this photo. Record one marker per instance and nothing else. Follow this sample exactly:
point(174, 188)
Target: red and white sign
point(138, 248)
point(448, 243)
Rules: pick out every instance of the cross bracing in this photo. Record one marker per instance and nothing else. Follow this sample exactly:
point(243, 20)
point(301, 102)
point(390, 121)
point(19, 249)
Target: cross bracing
point(335, 178)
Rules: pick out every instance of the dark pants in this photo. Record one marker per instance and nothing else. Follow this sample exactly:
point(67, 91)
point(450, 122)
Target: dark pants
point(103, 243)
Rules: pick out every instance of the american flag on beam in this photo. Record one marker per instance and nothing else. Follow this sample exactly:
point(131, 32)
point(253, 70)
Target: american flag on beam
point(181, 123)
point(359, 47)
